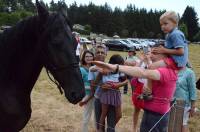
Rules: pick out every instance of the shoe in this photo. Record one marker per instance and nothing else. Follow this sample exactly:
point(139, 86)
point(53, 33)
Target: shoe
point(145, 96)
point(140, 97)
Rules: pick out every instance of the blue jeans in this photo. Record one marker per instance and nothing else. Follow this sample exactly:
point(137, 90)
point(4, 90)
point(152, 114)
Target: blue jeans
point(150, 118)
point(110, 116)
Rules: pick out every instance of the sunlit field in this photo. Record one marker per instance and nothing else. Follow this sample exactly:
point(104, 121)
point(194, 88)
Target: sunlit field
point(51, 112)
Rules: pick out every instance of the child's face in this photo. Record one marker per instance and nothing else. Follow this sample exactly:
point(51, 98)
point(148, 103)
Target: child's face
point(167, 25)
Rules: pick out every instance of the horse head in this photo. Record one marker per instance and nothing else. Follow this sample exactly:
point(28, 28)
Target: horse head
point(59, 52)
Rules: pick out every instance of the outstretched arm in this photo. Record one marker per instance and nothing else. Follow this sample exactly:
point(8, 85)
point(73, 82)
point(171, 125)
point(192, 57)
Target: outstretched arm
point(131, 71)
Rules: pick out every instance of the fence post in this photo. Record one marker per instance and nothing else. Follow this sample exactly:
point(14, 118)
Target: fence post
point(176, 116)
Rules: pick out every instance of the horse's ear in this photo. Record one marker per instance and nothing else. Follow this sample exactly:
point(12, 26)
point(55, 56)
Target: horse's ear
point(42, 11)
point(63, 11)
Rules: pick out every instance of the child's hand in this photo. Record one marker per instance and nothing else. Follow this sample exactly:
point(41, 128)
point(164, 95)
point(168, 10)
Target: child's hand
point(130, 63)
point(159, 50)
point(142, 56)
point(95, 69)
point(82, 103)
point(104, 71)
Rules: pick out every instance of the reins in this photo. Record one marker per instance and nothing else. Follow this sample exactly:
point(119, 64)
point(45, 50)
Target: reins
point(54, 81)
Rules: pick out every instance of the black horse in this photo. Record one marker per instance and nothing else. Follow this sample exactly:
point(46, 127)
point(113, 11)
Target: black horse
point(40, 41)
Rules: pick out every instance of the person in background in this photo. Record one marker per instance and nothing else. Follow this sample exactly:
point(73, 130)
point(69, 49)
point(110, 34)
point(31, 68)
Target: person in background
point(93, 45)
point(78, 48)
point(130, 60)
point(186, 90)
point(163, 88)
point(138, 84)
point(87, 101)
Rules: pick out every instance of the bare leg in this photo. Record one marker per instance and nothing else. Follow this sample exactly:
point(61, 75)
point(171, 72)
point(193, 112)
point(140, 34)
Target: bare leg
point(185, 128)
point(104, 111)
point(135, 118)
point(118, 113)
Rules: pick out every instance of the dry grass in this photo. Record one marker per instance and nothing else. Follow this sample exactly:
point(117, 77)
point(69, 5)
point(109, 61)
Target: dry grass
point(52, 112)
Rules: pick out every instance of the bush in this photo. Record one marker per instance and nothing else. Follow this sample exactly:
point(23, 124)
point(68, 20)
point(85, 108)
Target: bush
point(12, 18)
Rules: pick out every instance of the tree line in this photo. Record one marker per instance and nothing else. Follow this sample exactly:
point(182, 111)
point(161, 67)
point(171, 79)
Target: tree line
point(130, 22)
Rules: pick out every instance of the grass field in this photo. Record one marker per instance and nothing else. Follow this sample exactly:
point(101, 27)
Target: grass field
point(51, 112)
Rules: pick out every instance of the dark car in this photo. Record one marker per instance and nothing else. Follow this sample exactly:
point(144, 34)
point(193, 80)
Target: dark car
point(117, 45)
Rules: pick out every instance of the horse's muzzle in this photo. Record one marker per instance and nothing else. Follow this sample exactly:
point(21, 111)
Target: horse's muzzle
point(75, 97)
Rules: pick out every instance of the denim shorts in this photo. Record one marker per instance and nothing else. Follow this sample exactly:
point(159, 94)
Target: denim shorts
point(150, 118)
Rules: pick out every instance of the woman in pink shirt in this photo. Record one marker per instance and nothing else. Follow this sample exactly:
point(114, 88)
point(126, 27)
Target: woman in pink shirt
point(163, 88)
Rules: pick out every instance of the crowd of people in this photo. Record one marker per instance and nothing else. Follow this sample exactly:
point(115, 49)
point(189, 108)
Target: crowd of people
point(157, 76)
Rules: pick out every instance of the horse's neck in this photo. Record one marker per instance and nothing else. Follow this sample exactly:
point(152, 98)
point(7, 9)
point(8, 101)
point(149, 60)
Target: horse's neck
point(19, 52)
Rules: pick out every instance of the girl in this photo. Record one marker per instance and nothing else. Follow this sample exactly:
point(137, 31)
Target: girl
point(111, 96)
point(87, 101)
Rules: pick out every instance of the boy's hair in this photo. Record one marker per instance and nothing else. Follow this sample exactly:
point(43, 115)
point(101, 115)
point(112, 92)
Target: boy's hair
point(116, 59)
point(170, 15)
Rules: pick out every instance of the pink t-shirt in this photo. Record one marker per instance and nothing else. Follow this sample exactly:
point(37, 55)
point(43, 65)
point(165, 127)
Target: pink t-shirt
point(162, 91)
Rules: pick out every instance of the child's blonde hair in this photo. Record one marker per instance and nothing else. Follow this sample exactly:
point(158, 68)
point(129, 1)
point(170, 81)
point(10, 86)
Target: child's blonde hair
point(170, 15)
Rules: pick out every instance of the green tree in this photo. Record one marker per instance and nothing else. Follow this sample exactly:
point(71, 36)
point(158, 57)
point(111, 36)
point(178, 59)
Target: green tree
point(191, 20)
point(183, 28)
point(2, 5)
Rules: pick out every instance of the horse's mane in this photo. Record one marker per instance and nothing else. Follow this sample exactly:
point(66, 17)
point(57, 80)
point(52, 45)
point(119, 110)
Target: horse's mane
point(14, 41)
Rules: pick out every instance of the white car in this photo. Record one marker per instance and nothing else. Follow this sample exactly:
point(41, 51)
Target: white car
point(84, 40)
point(135, 45)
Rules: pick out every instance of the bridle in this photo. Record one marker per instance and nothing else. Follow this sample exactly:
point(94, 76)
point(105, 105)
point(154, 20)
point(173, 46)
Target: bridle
point(50, 67)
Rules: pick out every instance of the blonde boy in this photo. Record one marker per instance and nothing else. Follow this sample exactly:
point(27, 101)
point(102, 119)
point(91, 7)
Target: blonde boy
point(175, 47)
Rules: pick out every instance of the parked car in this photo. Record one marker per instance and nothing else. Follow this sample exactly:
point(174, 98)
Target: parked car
point(84, 40)
point(116, 44)
point(132, 44)
point(137, 41)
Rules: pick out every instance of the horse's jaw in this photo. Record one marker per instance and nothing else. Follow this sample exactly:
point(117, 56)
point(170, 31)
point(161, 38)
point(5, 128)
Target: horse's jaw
point(73, 86)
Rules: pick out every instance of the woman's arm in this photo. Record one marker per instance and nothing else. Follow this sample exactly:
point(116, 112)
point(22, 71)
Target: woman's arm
point(131, 71)
point(163, 50)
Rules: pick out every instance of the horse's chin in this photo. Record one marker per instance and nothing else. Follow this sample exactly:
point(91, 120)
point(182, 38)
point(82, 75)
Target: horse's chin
point(74, 97)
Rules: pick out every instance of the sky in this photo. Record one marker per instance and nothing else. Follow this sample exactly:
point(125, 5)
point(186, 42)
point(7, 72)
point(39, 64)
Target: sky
point(175, 5)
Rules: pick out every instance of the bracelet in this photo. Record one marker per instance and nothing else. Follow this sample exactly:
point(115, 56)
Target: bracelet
point(117, 70)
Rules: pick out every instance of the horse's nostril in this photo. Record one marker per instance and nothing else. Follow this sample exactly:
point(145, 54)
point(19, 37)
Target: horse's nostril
point(76, 95)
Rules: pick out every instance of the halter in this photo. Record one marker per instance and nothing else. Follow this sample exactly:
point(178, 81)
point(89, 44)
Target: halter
point(50, 65)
